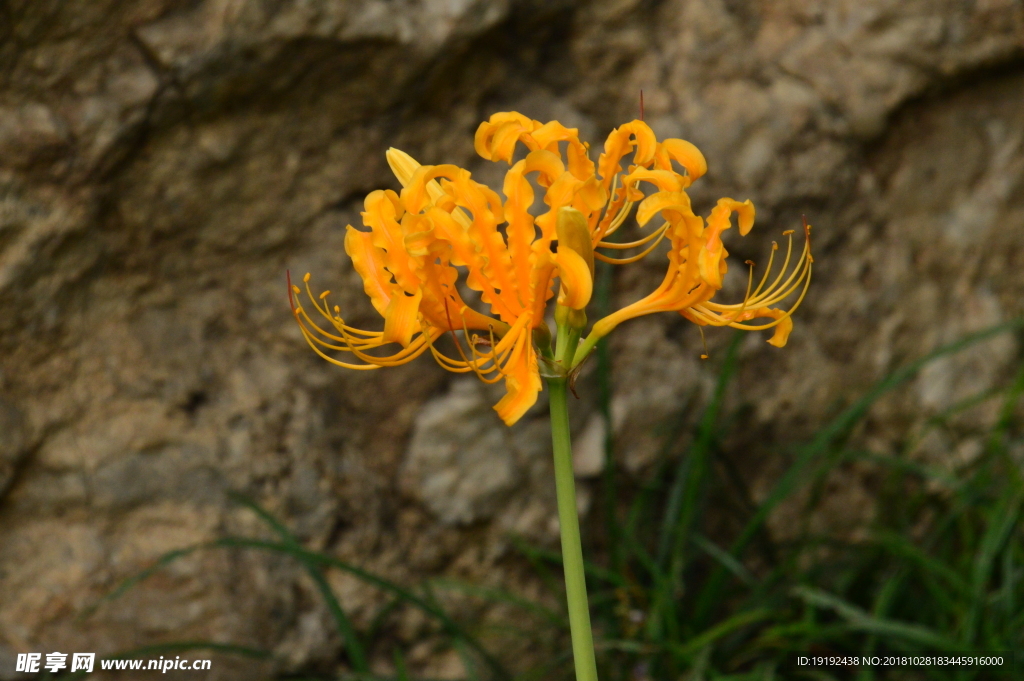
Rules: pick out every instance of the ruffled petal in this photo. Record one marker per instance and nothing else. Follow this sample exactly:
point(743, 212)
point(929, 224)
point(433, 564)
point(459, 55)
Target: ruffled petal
point(401, 319)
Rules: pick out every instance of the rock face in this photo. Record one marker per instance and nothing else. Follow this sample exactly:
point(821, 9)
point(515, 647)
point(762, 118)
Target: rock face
point(163, 162)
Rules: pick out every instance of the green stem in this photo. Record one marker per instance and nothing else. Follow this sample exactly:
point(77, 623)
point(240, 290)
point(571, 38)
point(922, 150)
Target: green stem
point(572, 550)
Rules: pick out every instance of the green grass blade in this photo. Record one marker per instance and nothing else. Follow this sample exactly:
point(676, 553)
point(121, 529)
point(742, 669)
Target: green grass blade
point(124, 586)
point(723, 628)
point(1009, 582)
point(182, 646)
point(860, 620)
point(353, 646)
point(726, 559)
point(904, 465)
point(329, 561)
point(401, 673)
point(175, 647)
point(381, 616)
point(502, 596)
point(1001, 524)
point(899, 545)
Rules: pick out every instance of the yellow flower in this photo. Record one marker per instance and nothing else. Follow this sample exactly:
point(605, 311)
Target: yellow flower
point(444, 225)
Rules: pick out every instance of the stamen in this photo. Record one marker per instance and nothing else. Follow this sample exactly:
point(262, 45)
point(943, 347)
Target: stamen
point(788, 313)
point(785, 264)
point(626, 261)
point(619, 219)
point(611, 208)
point(793, 281)
point(704, 342)
point(631, 244)
point(767, 271)
point(458, 347)
point(336, 321)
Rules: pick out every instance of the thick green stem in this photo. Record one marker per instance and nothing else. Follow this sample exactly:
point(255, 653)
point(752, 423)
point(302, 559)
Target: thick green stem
point(572, 550)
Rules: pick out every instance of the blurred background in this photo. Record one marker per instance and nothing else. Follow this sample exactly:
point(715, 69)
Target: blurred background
point(163, 162)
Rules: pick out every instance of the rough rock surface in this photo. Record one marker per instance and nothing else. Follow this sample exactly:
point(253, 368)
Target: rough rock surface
point(163, 162)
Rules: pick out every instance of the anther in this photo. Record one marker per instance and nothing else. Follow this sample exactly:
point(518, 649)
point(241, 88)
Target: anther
point(296, 289)
point(788, 232)
point(306, 278)
point(748, 262)
point(324, 294)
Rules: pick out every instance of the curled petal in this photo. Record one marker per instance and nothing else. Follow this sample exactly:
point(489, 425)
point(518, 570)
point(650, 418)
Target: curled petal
point(546, 163)
point(416, 195)
point(664, 180)
point(550, 134)
point(496, 138)
point(711, 258)
point(654, 204)
point(782, 331)
point(683, 152)
point(619, 143)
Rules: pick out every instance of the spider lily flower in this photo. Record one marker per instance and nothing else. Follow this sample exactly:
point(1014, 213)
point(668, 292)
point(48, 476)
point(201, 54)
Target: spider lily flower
point(443, 226)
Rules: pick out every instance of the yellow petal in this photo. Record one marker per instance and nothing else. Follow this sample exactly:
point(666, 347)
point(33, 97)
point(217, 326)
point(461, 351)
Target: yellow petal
point(686, 155)
point(368, 261)
point(401, 319)
point(522, 379)
point(655, 203)
point(709, 262)
point(745, 216)
point(782, 331)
